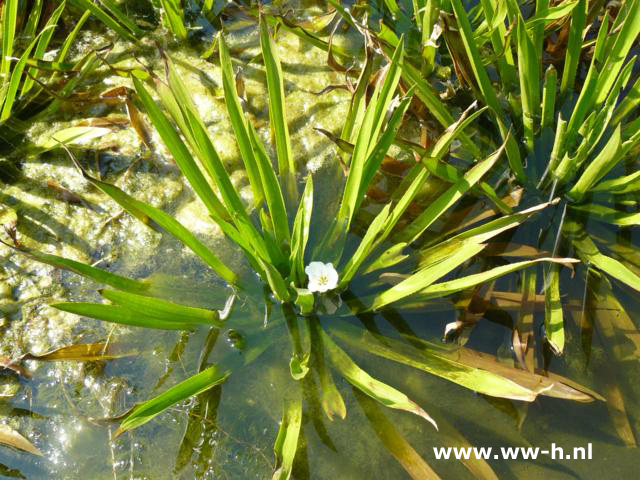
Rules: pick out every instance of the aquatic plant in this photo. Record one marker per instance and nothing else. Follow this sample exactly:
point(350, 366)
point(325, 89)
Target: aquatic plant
point(311, 287)
point(572, 141)
point(27, 80)
point(579, 143)
point(279, 252)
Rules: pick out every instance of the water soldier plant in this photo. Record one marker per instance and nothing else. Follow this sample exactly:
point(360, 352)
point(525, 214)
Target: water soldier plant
point(279, 249)
point(528, 161)
point(572, 137)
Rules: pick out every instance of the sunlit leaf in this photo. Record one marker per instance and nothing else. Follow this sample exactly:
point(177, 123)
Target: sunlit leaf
point(377, 390)
point(287, 440)
point(194, 385)
point(474, 370)
point(421, 280)
point(119, 314)
point(162, 309)
point(8, 436)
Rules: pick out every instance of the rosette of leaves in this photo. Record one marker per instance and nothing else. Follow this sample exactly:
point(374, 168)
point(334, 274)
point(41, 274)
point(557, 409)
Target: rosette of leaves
point(579, 129)
point(31, 87)
point(277, 245)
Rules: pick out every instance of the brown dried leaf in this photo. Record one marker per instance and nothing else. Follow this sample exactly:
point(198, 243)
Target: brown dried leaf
point(8, 436)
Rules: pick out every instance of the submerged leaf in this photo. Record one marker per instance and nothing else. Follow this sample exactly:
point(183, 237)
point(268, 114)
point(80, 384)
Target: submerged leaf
point(287, 439)
point(195, 385)
point(377, 390)
point(8, 436)
point(553, 320)
point(474, 370)
point(81, 352)
point(393, 440)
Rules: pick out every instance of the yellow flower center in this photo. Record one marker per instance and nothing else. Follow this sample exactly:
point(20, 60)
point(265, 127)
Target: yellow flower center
point(323, 280)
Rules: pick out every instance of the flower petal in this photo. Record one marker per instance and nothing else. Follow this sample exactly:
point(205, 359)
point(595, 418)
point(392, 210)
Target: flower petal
point(313, 285)
point(332, 276)
point(314, 269)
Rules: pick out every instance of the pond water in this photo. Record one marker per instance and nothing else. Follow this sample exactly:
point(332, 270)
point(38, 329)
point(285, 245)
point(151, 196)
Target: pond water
point(70, 410)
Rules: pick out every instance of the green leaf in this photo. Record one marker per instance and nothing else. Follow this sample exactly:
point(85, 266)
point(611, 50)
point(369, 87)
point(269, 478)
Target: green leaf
point(552, 13)
point(608, 157)
point(574, 46)
point(415, 229)
point(174, 16)
point(492, 228)
point(162, 309)
point(75, 136)
point(239, 124)
point(426, 276)
point(203, 146)
point(117, 24)
point(180, 153)
point(16, 77)
point(476, 371)
point(498, 34)
point(628, 104)
point(379, 151)
point(287, 440)
point(587, 95)
point(272, 192)
point(43, 43)
point(332, 401)
point(299, 366)
point(277, 111)
point(438, 151)
point(529, 75)
point(195, 385)
point(377, 390)
point(627, 33)
point(463, 283)
point(608, 215)
point(300, 235)
point(145, 213)
point(304, 300)
point(620, 185)
point(367, 138)
point(424, 91)
point(553, 318)
point(120, 315)
point(589, 253)
point(549, 97)
point(275, 280)
point(364, 248)
point(68, 41)
point(9, 19)
point(392, 256)
point(486, 87)
point(358, 103)
point(93, 273)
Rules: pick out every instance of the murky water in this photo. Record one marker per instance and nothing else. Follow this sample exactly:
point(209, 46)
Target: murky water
point(70, 410)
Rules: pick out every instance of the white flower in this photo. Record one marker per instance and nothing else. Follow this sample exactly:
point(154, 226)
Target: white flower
point(322, 277)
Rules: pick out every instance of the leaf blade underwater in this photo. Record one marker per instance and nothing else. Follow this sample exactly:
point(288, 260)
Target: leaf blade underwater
point(93, 273)
point(473, 370)
point(10, 437)
point(286, 442)
point(383, 393)
point(194, 385)
point(145, 212)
